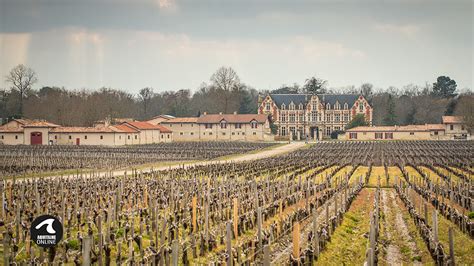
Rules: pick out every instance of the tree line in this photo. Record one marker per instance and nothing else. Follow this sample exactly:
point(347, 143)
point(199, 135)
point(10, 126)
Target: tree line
point(224, 92)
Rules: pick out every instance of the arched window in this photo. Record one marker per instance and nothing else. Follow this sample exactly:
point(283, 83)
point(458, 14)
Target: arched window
point(283, 106)
point(361, 107)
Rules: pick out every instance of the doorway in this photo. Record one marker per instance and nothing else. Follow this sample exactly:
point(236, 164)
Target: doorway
point(314, 132)
point(36, 138)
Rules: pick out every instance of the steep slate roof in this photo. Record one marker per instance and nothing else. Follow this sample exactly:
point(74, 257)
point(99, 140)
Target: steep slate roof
point(408, 128)
point(279, 99)
point(452, 119)
point(232, 118)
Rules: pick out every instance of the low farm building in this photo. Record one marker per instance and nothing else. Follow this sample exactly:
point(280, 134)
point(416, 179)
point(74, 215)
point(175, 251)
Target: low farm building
point(452, 127)
point(34, 132)
point(220, 127)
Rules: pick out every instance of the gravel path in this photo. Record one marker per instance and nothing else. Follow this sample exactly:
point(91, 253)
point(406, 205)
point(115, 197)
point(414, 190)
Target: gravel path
point(281, 149)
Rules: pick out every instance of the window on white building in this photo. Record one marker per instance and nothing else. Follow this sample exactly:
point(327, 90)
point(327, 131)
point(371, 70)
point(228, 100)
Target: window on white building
point(337, 106)
point(328, 117)
point(301, 106)
point(301, 117)
point(254, 124)
point(291, 106)
point(292, 117)
point(282, 117)
point(238, 126)
point(223, 124)
point(346, 106)
point(283, 106)
point(314, 116)
point(328, 106)
point(361, 107)
point(328, 131)
point(346, 117)
point(283, 131)
point(267, 106)
point(337, 117)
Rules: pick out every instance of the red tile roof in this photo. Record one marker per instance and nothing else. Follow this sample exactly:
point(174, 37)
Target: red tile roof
point(182, 120)
point(41, 124)
point(232, 118)
point(164, 129)
point(11, 129)
point(452, 119)
point(23, 121)
point(408, 128)
point(147, 126)
point(125, 128)
point(83, 130)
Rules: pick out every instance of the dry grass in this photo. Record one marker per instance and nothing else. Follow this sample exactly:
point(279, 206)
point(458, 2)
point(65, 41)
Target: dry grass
point(349, 242)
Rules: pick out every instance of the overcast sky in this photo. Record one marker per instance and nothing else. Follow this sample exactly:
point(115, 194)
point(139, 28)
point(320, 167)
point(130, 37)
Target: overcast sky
point(168, 44)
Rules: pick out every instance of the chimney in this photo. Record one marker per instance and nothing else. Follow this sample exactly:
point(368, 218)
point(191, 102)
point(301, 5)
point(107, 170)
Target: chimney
point(205, 113)
point(235, 112)
point(220, 113)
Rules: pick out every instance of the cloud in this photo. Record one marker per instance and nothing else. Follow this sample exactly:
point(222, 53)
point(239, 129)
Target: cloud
point(13, 50)
point(406, 29)
point(167, 5)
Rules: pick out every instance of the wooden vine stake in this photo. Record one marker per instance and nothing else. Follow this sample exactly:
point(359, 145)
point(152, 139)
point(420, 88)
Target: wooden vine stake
point(194, 214)
point(236, 217)
point(296, 240)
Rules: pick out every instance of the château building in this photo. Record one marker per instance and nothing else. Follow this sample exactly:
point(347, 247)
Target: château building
point(313, 116)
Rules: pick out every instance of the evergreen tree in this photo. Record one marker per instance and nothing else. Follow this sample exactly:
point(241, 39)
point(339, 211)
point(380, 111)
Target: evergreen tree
point(357, 121)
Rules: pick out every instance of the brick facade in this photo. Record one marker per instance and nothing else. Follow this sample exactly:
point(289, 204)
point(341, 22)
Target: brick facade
point(313, 116)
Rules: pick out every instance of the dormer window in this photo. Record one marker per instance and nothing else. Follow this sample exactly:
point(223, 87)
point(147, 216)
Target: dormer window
point(337, 106)
point(346, 106)
point(267, 106)
point(301, 106)
point(328, 106)
point(253, 124)
point(223, 124)
point(283, 107)
point(291, 106)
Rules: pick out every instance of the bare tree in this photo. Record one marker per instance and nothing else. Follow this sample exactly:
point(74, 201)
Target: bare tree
point(367, 90)
point(315, 85)
point(226, 80)
point(22, 78)
point(145, 95)
point(465, 108)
